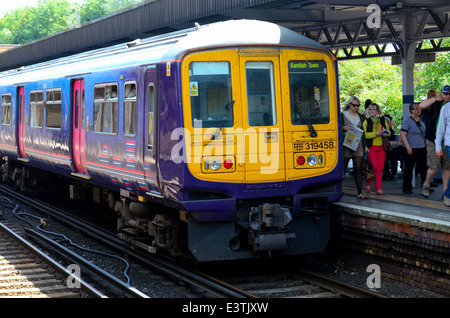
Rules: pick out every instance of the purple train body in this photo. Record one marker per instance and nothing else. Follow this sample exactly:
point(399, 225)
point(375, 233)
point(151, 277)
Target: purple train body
point(106, 121)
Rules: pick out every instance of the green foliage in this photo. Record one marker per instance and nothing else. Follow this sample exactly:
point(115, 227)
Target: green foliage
point(432, 75)
point(374, 79)
point(29, 24)
point(380, 81)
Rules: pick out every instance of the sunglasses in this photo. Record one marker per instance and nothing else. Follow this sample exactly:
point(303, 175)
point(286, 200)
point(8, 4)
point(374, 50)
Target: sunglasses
point(355, 105)
point(446, 93)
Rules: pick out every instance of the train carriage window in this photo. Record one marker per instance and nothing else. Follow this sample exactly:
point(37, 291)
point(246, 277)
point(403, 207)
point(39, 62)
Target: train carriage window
point(260, 94)
point(309, 96)
point(210, 92)
point(130, 109)
point(53, 109)
point(106, 108)
point(6, 109)
point(36, 109)
point(150, 116)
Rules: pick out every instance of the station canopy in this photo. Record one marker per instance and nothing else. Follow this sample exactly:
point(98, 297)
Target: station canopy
point(349, 28)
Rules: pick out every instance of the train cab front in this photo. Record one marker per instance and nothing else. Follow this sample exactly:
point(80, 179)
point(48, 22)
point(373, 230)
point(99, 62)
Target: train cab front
point(262, 146)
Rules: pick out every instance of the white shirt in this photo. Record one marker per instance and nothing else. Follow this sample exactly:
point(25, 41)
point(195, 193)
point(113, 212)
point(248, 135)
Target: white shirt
point(443, 129)
point(353, 119)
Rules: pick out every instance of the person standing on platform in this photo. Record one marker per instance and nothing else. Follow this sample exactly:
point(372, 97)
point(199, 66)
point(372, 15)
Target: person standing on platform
point(366, 109)
point(376, 127)
point(431, 108)
point(413, 138)
point(392, 157)
point(351, 117)
point(443, 131)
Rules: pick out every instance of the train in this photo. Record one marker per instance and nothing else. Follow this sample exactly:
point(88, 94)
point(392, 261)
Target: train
point(219, 142)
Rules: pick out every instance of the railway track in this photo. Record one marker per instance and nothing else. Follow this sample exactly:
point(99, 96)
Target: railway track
point(266, 286)
point(301, 284)
point(25, 272)
point(141, 257)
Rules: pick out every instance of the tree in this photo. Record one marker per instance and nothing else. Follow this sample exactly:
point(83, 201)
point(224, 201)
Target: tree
point(17, 27)
point(432, 75)
point(373, 78)
point(29, 24)
point(51, 16)
point(380, 81)
point(94, 9)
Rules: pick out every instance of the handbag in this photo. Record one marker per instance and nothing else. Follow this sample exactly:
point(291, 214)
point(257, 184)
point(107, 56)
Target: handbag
point(366, 168)
point(387, 144)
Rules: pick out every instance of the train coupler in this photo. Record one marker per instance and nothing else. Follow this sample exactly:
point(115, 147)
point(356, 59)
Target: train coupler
point(269, 241)
point(269, 227)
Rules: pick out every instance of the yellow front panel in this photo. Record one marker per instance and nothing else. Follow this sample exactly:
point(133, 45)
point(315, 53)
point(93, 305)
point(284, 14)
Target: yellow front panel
point(263, 142)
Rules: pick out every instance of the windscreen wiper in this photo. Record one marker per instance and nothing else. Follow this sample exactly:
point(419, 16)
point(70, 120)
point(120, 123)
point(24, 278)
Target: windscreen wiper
point(228, 108)
point(299, 107)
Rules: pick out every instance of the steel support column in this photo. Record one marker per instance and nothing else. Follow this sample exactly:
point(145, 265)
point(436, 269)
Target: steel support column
point(408, 60)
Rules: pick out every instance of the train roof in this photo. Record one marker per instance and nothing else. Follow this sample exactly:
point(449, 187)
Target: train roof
point(166, 47)
point(240, 33)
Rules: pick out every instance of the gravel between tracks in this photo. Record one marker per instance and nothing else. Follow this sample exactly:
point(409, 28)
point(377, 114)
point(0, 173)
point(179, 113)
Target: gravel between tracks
point(144, 279)
point(352, 268)
point(150, 282)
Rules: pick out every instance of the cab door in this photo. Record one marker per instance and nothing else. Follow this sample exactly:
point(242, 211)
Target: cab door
point(262, 120)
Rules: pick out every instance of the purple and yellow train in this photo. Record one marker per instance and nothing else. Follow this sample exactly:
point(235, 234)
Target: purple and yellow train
point(221, 142)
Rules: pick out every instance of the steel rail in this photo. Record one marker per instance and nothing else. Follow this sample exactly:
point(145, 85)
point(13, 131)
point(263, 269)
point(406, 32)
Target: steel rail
point(52, 263)
point(343, 288)
point(86, 264)
point(212, 286)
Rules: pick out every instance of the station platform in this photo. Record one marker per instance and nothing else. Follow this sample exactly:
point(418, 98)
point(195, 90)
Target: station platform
point(408, 230)
point(396, 203)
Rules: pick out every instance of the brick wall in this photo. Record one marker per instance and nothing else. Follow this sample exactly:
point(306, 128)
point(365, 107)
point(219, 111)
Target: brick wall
point(418, 249)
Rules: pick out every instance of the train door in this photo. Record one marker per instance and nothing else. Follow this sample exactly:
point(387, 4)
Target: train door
point(21, 122)
point(262, 120)
point(150, 144)
point(78, 127)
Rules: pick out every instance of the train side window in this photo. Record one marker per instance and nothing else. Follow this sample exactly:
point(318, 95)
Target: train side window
point(53, 108)
point(150, 115)
point(130, 109)
point(6, 109)
point(106, 108)
point(36, 109)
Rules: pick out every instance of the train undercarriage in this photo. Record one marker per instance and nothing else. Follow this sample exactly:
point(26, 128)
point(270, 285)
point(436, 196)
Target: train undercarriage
point(261, 228)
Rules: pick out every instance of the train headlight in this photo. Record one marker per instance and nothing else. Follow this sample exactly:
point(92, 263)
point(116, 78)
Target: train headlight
point(312, 160)
point(216, 164)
